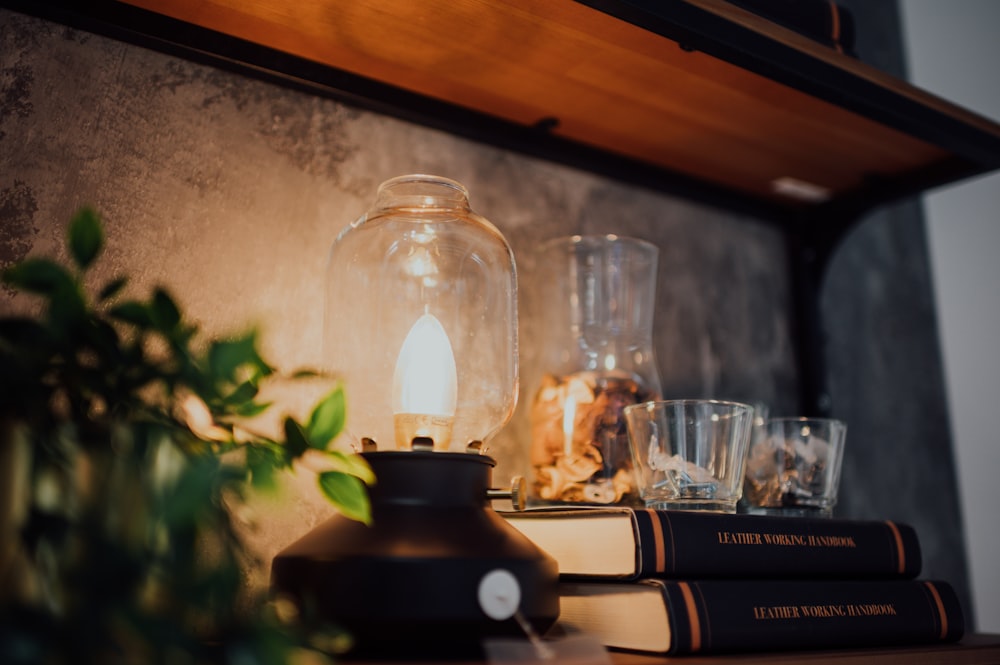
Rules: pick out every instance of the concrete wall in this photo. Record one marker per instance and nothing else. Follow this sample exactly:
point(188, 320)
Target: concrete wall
point(230, 190)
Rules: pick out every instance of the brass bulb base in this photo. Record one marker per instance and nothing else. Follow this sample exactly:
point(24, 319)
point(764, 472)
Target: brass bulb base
point(410, 426)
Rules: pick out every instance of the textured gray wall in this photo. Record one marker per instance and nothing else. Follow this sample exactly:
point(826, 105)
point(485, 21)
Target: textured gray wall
point(229, 192)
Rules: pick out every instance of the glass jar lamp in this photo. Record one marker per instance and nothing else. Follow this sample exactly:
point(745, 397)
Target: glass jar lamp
point(421, 324)
point(421, 319)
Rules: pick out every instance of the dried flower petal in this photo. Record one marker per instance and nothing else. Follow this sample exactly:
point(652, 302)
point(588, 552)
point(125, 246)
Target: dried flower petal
point(550, 483)
point(581, 467)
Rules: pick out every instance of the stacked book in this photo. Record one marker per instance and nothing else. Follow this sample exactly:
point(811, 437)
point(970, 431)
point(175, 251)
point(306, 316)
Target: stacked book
point(671, 582)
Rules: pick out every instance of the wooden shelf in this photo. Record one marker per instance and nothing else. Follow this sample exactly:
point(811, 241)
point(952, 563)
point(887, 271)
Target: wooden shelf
point(698, 97)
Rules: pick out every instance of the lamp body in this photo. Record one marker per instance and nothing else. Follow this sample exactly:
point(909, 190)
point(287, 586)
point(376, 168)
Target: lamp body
point(412, 583)
point(421, 324)
point(421, 305)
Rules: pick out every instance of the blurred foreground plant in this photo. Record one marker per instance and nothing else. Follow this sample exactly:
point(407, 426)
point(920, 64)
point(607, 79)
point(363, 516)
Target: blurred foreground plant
point(122, 459)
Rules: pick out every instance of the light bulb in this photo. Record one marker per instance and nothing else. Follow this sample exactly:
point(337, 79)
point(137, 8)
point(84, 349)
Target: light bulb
point(425, 385)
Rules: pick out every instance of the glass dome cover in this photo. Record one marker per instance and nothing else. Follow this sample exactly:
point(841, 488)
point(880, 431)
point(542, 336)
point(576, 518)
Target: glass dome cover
point(421, 318)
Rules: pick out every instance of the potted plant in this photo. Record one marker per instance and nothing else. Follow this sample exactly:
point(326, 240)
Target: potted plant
point(124, 453)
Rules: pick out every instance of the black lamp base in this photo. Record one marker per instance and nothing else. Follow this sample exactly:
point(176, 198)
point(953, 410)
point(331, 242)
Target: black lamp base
point(413, 582)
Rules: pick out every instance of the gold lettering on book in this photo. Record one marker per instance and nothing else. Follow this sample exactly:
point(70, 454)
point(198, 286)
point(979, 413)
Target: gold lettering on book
point(823, 611)
point(783, 539)
point(832, 541)
point(776, 612)
point(739, 538)
point(872, 610)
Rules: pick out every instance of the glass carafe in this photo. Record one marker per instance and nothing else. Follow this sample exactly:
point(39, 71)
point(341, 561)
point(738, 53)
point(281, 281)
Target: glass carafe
point(597, 357)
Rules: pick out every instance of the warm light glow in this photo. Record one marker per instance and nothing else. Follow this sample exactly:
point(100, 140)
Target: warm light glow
point(569, 415)
point(425, 385)
point(800, 190)
point(425, 380)
point(420, 262)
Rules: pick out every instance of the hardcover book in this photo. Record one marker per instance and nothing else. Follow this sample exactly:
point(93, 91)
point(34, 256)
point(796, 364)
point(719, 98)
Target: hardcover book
point(628, 544)
point(710, 616)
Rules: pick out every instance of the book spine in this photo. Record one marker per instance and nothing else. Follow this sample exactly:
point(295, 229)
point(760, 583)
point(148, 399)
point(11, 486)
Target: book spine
point(678, 544)
point(718, 616)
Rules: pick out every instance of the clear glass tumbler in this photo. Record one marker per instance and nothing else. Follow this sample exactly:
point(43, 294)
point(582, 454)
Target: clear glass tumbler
point(690, 454)
point(795, 469)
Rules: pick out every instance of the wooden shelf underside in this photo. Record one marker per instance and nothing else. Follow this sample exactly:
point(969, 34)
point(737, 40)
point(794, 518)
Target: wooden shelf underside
point(594, 79)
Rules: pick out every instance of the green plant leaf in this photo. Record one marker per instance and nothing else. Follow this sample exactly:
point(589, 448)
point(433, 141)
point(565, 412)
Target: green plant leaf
point(37, 275)
point(96, 383)
point(225, 357)
point(112, 288)
point(352, 464)
point(189, 496)
point(164, 311)
point(327, 419)
point(264, 460)
point(243, 393)
point(348, 494)
point(251, 409)
point(66, 306)
point(67, 309)
point(86, 237)
point(133, 312)
point(296, 441)
point(104, 339)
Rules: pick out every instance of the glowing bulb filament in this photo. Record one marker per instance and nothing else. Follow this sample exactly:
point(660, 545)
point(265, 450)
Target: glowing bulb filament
point(425, 385)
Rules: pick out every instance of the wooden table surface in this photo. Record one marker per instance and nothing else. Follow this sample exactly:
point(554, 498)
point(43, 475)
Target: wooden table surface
point(973, 649)
point(976, 649)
